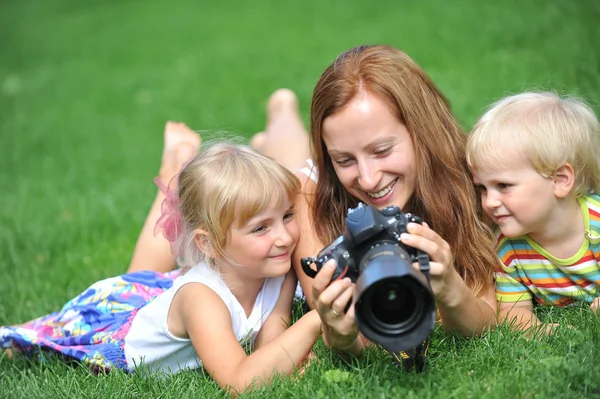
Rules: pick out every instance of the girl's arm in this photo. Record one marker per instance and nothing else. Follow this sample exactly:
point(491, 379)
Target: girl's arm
point(280, 318)
point(208, 324)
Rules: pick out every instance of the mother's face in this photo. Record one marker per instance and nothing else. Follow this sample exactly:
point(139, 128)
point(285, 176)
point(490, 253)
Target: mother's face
point(372, 152)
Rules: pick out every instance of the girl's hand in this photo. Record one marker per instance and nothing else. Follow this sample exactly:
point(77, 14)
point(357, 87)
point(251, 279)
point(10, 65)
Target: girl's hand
point(595, 306)
point(442, 272)
point(339, 328)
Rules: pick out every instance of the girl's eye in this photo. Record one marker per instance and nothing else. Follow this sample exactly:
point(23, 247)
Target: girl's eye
point(503, 186)
point(288, 216)
point(480, 187)
point(259, 229)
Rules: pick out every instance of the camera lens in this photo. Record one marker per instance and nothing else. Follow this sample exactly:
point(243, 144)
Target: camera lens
point(394, 306)
point(392, 303)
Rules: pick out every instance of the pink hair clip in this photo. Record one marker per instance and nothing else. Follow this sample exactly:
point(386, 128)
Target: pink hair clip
point(170, 222)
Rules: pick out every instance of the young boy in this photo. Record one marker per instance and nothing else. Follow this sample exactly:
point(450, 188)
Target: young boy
point(535, 158)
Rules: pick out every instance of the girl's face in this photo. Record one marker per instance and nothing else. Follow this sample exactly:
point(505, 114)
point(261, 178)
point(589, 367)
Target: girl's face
point(372, 152)
point(264, 245)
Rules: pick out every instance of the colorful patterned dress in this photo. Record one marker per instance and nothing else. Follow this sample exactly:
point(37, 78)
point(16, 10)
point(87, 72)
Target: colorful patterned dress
point(91, 327)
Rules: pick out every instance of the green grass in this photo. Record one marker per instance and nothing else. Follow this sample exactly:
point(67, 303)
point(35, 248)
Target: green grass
point(85, 89)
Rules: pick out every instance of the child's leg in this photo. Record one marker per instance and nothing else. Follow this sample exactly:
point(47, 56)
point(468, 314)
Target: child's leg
point(285, 138)
point(154, 252)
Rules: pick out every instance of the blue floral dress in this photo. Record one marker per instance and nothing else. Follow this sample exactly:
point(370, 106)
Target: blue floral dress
point(91, 327)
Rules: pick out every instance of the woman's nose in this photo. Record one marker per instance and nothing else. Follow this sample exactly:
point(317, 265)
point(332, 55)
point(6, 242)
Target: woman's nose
point(368, 176)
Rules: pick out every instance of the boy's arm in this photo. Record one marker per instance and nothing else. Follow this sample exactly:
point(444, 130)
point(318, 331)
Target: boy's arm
point(518, 315)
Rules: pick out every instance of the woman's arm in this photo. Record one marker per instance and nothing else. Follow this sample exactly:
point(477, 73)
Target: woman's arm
point(339, 333)
point(308, 244)
point(208, 324)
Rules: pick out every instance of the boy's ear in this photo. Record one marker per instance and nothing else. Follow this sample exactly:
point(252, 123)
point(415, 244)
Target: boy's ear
point(564, 180)
point(202, 240)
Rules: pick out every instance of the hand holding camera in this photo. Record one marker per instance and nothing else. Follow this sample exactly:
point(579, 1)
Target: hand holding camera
point(394, 305)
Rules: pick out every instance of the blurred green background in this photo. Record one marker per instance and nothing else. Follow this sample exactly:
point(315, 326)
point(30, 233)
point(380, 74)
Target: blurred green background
point(86, 87)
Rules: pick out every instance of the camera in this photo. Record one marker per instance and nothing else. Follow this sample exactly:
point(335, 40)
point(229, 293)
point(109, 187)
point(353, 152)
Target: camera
point(393, 302)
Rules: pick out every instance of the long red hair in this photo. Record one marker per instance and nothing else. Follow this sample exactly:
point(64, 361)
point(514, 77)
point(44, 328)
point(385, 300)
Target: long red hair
point(444, 195)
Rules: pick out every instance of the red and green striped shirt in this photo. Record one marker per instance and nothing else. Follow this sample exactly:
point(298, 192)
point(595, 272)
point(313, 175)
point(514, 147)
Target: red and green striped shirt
point(527, 271)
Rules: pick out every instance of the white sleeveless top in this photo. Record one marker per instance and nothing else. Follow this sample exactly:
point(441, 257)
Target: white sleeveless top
point(149, 341)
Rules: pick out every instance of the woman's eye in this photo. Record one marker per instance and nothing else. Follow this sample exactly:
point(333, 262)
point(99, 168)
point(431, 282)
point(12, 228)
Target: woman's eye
point(384, 151)
point(343, 161)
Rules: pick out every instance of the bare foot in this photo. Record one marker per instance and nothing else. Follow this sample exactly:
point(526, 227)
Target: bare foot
point(285, 138)
point(181, 145)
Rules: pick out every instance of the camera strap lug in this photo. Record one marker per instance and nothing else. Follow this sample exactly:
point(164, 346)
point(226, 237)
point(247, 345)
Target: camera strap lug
point(424, 267)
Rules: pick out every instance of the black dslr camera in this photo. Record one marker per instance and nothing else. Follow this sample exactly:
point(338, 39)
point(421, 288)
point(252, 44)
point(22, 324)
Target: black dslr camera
point(394, 304)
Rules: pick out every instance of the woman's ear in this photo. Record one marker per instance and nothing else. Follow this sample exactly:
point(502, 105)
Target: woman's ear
point(202, 240)
point(564, 180)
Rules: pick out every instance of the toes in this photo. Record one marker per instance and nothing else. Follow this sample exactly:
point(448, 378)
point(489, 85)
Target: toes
point(280, 100)
point(258, 141)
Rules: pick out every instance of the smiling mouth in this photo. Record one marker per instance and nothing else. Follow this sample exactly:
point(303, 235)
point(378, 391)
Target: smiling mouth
point(384, 191)
point(280, 256)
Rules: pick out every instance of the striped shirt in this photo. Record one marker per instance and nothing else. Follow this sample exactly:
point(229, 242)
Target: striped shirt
point(527, 271)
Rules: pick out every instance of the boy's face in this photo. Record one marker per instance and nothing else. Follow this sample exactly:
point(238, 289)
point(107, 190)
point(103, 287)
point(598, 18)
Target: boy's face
point(517, 198)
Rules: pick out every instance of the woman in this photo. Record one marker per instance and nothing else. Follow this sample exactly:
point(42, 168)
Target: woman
point(381, 133)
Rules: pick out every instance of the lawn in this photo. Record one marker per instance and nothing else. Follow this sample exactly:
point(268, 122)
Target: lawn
point(85, 90)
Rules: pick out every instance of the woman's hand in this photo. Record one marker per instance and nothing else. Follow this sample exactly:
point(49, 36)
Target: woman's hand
point(330, 300)
point(459, 308)
point(442, 272)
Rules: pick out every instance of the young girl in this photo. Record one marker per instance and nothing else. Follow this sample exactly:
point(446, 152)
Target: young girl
point(232, 224)
point(536, 160)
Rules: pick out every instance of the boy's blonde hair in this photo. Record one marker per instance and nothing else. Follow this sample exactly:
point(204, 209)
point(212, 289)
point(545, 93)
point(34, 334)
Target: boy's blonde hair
point(226, 184)
point(544, 128)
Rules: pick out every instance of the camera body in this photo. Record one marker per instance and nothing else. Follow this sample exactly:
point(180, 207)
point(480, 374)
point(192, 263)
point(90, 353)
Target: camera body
point(394, 305)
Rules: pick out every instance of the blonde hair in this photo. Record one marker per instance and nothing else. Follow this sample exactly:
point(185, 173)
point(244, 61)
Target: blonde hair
point(444, 194)
point(544, 128)
point(226, 184)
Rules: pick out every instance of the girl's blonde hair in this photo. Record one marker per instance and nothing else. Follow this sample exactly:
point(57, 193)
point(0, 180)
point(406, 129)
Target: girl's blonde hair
point(444, 194)
point(546, 130)
point(226, 184)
